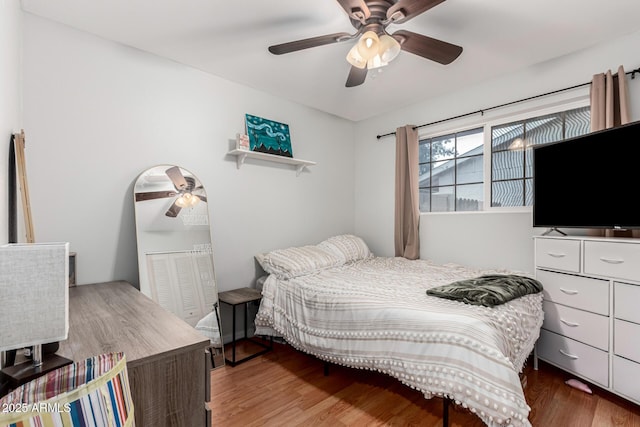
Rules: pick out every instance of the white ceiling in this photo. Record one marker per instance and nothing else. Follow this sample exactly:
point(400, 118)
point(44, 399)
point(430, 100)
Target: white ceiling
point(230, 39)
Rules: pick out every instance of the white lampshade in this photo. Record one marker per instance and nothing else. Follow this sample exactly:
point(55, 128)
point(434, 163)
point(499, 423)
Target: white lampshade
point(372, 51)
point(34, 290)
point(354, 58)
point(389, 48)
point(376, 62)
point(368, 45)
point(187, 200)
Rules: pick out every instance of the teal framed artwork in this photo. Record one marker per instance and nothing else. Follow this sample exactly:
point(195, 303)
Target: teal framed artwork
point(268, 136)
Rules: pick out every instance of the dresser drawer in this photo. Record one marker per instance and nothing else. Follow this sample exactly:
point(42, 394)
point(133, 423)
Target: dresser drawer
point(581, 359)
point(612, 259)
point(626, 299)
point(626, 336)
point(584, 293)
point(625, 378)
point(588, 328)
point(558, 254)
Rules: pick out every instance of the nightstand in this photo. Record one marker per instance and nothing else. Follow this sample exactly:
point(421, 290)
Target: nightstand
point(234, 298)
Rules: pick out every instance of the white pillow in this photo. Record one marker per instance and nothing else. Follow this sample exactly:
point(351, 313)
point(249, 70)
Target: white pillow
point(297, 261)
point(347, 247)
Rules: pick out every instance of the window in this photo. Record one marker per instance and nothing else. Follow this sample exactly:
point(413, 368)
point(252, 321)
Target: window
point(451, 172)
point(511, 152)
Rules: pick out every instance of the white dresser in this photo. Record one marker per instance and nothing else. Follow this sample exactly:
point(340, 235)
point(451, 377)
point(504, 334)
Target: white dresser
point(592, 309)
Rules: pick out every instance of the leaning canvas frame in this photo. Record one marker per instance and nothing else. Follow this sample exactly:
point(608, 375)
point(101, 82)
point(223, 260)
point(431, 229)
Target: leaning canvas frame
point(268, 136)
point(18, 180)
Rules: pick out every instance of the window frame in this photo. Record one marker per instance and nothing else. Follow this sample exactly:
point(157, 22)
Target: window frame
point(455, 185)
point(487, 124)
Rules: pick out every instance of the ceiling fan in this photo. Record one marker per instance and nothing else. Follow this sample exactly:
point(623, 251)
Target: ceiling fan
point(376, 47)
point(185, 192)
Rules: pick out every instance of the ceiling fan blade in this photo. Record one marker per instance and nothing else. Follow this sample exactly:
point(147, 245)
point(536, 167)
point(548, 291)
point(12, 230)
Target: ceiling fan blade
point(177, 178)
point(427, 47)
point(404, 10)
point(202, 198)
point(151, 195)
point(356, 76)
point(173, 211)
point(294, 46)
point(356, 9)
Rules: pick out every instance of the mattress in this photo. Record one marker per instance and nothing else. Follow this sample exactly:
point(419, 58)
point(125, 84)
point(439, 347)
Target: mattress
point(375, 314)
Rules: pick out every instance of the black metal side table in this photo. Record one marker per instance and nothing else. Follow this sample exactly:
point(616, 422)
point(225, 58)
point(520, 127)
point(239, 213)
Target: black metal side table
point(234, 298)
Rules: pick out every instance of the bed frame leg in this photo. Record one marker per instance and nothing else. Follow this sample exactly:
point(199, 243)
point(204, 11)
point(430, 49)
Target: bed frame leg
point(326, 369)
point(445, 411)
point(535, 357)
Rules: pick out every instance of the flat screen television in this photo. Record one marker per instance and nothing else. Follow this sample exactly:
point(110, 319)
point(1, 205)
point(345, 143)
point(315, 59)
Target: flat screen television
point(591, 181)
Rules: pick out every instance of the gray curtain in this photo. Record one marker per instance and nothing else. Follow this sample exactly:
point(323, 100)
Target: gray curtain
point(609, 100)
point(407, 205)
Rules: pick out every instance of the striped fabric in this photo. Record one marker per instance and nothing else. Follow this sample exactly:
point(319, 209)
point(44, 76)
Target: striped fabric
point(347, 247)
point(297, 261)
point(92, 393)
point(375, 314)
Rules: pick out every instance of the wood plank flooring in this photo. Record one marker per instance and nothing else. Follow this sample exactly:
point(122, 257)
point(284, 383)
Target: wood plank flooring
point(288, 388)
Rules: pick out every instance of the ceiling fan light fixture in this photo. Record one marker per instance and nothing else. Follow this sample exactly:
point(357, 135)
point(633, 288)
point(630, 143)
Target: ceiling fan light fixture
point(368, 45)
point(389, 48)
point(376, 62)
point(354, 58)
point(187, 200)
point(370, 19)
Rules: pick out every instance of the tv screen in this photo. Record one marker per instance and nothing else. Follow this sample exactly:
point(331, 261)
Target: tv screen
point(591, 181)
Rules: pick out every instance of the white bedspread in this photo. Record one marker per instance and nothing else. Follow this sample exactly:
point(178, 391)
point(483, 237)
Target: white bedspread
point(375, 314)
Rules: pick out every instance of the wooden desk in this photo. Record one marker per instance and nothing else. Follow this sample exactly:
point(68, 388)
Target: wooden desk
point(166, 359)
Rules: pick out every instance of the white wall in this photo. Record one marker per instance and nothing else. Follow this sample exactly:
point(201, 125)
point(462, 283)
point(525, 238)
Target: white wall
point(10, 88)
point(492, 240)
point(479, 239)
point(97, 114)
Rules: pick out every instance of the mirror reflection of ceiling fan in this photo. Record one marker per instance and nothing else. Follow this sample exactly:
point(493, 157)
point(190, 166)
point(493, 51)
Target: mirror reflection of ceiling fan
point(185, 192)
point(376, 48)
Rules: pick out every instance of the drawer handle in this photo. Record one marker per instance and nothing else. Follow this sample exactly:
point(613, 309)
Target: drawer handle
point(569, 291)
point(612, 261)
point(556, 255)
point(573, 325)
point(569, 355)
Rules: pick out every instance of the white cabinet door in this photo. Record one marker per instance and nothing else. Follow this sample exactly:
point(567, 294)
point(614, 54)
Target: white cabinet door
point(558, 254)
point(580, 292)
point(589, 328)
point(175, 282)
point(612, 259)
point(581, 359)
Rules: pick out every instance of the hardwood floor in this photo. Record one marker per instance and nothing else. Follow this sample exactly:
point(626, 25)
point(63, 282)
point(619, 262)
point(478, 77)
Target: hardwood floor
point(288, 388)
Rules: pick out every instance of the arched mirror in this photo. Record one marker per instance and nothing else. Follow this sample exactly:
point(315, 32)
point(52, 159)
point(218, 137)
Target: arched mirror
point(175, 256)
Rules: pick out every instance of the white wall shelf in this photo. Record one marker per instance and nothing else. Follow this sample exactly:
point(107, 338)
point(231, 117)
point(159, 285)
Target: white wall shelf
point(241, 155)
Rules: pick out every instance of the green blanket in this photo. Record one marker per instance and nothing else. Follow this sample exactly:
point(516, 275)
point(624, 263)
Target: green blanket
point(489, 290)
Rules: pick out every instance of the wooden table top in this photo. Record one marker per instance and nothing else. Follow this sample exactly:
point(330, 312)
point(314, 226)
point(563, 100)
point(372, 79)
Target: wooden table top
point(240, 296)
point(115, 316)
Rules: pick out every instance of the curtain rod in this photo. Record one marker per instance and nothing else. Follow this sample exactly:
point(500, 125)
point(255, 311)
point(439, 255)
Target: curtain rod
point(482, 111)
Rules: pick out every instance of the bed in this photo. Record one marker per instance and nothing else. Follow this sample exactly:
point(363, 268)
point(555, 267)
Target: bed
point(338, 302)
